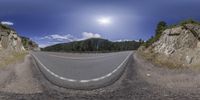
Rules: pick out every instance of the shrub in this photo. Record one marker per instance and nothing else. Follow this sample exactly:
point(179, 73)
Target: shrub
point(161, 26)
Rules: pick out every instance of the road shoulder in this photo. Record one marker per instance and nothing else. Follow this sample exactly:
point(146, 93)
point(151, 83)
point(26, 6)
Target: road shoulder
point(173, 79)
point(21, 79)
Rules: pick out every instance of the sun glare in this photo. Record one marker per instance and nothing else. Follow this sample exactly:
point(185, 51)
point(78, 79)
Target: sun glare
point(104, 21)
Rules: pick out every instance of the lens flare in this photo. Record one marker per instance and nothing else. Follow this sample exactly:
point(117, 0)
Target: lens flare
point(104, 21)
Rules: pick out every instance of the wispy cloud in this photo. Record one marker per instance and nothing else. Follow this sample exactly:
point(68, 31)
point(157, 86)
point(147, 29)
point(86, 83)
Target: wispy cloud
point(7, 23)
point(43, 45)
point(60, 38)
point(122, 40)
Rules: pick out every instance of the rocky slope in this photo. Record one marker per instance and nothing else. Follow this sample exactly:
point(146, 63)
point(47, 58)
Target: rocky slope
point(9, 40)
point(177, 46)
point(12, 46)
point(29, 44)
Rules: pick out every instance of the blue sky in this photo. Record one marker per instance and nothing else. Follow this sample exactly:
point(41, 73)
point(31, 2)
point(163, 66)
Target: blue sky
point(55, 21)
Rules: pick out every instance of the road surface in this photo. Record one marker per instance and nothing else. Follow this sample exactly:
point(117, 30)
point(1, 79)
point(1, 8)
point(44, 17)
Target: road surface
point(82, 71)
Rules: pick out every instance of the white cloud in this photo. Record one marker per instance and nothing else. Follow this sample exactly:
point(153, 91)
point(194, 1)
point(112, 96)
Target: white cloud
point(70, 38)
point(122, 40)
point(87, 35)
point(61, 38)
point(43, 45)
point(58, 38)
point(7, 23)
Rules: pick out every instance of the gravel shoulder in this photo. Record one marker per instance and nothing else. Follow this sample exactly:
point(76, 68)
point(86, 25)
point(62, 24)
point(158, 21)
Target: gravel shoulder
point(134, 84)
point(177, 79)
point(23, 81)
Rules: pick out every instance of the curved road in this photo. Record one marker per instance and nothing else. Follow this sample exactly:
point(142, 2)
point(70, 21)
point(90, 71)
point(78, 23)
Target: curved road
point(81, 71)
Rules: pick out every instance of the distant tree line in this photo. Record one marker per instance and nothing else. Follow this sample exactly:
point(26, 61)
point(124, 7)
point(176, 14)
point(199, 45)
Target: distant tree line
point(161, 26)
point(94, 45)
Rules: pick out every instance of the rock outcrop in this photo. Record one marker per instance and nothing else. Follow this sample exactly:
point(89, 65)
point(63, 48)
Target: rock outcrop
point(9, 40)
point(29, 44)
point(178, 46)
point(177, 38)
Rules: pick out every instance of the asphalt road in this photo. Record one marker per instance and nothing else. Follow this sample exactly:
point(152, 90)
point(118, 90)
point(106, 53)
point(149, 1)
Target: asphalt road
point(82, 68)
point(134, 84)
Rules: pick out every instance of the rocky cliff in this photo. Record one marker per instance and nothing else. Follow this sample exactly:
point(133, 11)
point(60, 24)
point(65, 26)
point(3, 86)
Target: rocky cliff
point(29, 44)
point(177, 46)
point(9, 40)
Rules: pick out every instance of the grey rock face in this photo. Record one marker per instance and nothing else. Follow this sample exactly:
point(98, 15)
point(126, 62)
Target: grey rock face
point(181, 43)
point(9, 40)
point(189, 59)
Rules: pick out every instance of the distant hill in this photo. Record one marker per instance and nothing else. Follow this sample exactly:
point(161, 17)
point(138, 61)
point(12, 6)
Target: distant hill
point(94, 45)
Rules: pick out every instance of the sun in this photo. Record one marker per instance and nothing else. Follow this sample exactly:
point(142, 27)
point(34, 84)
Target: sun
point(104, 21)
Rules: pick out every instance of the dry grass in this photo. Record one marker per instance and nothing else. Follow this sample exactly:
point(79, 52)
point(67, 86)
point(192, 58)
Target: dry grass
point(195, 67)
point(161, 60)
point(12, 58)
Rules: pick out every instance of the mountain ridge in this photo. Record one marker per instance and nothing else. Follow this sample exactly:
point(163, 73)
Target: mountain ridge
point(94, 44)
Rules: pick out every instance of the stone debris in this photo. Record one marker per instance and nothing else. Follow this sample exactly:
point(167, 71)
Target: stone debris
point(148, 75)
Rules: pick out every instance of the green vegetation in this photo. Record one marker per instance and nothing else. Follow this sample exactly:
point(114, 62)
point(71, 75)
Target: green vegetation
point(25, 41)
point(5, 27)
point(28, 43)
point(174, 60)
point(189, 21)
point(94, 45)
point(184, 22)
point(160, 28)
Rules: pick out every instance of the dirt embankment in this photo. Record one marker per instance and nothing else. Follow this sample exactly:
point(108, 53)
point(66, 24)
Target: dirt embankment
point(18, 77)
point(174, 79)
